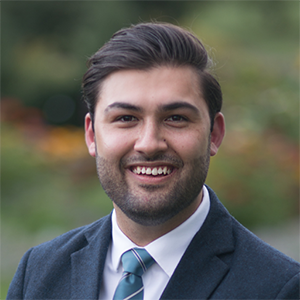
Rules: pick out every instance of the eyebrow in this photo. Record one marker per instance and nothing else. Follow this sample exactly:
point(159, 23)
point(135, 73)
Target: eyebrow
point(163, 108)
point(178, 105)
point(123, 105)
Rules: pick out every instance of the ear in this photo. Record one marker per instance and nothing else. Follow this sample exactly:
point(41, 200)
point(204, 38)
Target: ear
point(90, 135)
point(217, 134)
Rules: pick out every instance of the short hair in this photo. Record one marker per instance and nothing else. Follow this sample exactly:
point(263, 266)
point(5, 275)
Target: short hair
point(145, 46)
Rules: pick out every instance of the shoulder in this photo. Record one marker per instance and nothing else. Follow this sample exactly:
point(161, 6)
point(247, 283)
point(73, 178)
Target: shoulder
point(266, 270)
point(252, 249)
point(57, 252)
point(73, 240)
point(50, 263)
point(253, 265)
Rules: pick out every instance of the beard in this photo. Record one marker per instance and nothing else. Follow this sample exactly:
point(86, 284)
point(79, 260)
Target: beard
point(152, 205)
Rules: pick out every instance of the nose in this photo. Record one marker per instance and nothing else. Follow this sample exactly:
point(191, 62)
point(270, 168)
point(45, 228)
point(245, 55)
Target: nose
point(150, 140)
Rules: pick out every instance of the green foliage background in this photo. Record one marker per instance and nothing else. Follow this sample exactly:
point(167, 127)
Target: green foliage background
point(49, 183)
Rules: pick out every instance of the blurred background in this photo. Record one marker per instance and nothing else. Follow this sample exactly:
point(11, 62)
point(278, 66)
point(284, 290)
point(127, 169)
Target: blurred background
point(49, 182)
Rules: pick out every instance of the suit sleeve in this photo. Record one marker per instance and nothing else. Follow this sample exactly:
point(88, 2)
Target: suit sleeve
point(290, 289)
point(17, 286)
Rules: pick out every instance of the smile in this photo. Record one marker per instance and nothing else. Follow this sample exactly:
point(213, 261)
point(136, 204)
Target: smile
point(155, 171)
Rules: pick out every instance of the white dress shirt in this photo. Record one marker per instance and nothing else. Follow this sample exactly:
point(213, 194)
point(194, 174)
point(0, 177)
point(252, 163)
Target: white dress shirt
point(166, 251)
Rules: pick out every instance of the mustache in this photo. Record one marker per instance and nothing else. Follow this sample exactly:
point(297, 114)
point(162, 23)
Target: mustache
point(162, 158)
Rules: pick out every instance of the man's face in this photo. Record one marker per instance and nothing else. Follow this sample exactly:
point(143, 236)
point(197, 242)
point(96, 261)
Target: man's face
point(152, 142)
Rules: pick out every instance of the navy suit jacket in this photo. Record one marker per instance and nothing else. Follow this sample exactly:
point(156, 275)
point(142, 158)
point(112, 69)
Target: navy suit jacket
point(223, 261)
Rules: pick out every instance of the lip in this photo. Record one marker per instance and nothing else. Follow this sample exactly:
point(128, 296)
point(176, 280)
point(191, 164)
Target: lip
point(152, 164)
point(150, 179)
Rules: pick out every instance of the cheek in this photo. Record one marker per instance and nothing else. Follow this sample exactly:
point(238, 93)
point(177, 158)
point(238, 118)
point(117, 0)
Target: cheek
point(189, 147)
point(113, 146)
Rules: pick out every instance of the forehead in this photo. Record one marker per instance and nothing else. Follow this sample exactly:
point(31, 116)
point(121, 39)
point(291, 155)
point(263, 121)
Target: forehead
point(151, 88)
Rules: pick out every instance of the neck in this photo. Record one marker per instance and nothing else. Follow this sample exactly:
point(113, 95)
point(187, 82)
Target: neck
point(143, 235)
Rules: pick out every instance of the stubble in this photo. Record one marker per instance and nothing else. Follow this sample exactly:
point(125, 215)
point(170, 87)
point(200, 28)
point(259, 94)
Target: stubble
point(151, 205)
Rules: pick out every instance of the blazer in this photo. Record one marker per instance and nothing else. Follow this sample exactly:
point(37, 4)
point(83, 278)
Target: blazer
point(223, 261)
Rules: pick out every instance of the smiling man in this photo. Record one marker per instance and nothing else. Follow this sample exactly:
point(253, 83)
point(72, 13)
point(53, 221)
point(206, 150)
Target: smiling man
point(154, 121)
point(152, 141)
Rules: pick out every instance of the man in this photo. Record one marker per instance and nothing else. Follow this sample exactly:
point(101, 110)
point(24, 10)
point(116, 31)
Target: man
point(154, 121)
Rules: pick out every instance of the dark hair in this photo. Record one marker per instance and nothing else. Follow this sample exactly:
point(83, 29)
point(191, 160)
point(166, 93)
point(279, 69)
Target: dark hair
point(145, 46)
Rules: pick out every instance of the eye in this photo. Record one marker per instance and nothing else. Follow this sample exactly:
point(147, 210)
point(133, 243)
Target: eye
point(127, 118)
point(176, 118)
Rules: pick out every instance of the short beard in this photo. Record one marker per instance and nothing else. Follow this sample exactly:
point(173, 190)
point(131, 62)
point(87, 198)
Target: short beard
point(159, 208)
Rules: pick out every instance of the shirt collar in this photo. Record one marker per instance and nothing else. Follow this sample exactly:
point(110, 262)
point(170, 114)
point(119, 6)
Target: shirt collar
point(166, 250)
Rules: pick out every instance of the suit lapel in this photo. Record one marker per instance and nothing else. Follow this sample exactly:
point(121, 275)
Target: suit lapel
point(88, 262)
point(206, 260)
point(201, 269)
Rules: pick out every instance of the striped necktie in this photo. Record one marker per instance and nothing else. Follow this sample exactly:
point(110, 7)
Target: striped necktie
point(135, 263)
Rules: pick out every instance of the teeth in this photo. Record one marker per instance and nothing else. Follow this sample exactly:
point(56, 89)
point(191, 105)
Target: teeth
point(165, 170)
point(152, 171)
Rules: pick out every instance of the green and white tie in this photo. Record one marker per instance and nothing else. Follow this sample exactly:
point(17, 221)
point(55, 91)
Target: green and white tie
point(135, 263)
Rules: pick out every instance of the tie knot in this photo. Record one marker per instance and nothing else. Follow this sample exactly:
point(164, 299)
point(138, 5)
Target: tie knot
point(136, 261)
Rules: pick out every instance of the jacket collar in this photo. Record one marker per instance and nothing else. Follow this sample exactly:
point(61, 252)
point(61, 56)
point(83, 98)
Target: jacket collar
point(202, 267)
point(88, 262)
point(206, 260)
